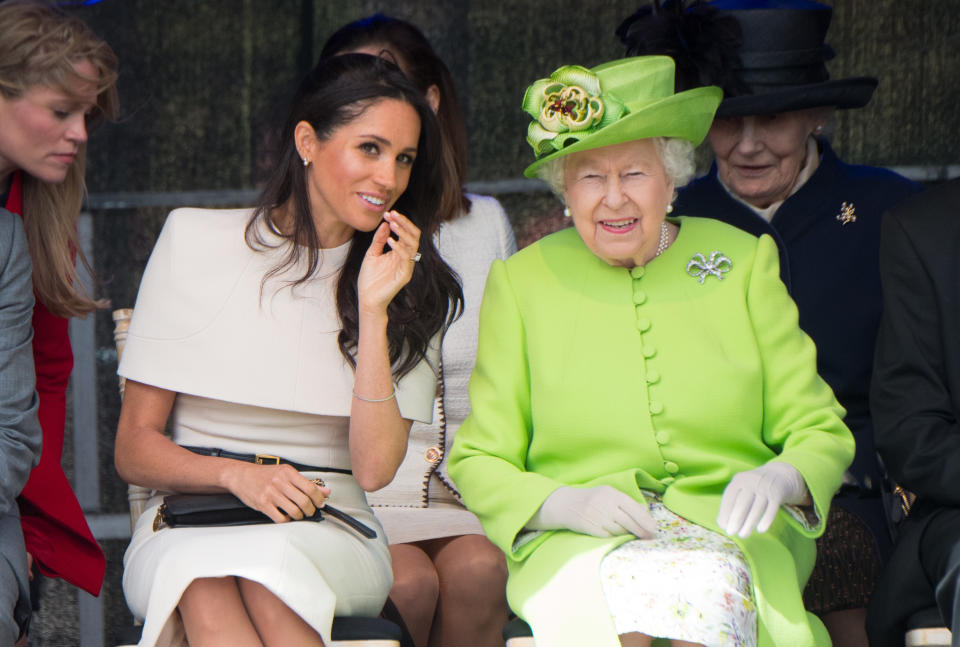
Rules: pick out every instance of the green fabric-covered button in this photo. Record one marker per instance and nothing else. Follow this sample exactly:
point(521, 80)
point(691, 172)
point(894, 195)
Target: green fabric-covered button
point(671, 467)
point(637, 272)
point(656, 407)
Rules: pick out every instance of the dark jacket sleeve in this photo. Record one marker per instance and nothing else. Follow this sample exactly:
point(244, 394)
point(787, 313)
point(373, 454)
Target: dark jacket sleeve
point(20, 435)
point(916, 426)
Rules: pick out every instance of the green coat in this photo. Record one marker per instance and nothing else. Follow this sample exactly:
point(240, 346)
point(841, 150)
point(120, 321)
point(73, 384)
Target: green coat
point(589, 374)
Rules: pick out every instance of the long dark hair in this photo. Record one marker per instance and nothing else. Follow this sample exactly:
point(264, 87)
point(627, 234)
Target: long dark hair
point(332, 95)
point(424, 68)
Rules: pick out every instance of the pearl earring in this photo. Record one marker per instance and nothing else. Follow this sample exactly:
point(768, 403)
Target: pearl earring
point(566, 211)
point(670, 208)
point(306, 162)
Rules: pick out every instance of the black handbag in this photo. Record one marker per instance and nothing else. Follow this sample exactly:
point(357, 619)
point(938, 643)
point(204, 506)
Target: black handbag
point(203, 510)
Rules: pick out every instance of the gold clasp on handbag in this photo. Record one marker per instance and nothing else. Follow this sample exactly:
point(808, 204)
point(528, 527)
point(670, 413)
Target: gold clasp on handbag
point(159, 521)
point(267, 459)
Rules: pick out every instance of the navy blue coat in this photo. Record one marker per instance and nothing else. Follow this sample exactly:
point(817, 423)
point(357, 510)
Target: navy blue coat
point(832, 272)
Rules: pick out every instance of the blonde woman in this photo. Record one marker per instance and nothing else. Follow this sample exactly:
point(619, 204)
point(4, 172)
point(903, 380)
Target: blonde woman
point(56, 78)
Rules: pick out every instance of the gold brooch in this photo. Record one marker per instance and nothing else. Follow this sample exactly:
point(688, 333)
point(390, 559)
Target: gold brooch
point(848, 213)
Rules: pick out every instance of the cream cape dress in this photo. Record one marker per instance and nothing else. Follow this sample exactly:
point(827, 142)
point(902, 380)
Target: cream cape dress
point(256, 369)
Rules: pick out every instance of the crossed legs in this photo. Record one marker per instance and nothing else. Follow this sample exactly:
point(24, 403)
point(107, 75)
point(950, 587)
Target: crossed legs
point(230, 611)
point(451, 591)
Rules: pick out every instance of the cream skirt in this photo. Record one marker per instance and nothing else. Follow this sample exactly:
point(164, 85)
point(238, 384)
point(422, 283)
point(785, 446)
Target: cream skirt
point(319, 569)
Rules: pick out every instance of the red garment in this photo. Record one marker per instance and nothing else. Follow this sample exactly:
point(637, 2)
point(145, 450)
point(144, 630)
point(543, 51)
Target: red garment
point(54, 527)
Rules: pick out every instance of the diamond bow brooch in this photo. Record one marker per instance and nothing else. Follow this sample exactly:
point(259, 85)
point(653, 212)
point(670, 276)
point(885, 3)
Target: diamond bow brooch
point(717, 265)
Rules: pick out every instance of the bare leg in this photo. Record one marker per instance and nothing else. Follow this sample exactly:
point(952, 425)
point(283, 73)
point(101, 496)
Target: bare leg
point(415, 589)
point(213, 614)
point(472, 608)
point(635, 639)
point(847, 628)
point(276, 623)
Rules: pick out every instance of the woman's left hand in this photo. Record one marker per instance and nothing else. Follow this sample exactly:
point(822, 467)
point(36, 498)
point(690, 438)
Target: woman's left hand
point(383, 274)
point(751, 500)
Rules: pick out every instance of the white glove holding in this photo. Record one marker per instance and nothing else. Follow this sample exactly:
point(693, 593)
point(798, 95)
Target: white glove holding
point(751, 500)
point(601, 511)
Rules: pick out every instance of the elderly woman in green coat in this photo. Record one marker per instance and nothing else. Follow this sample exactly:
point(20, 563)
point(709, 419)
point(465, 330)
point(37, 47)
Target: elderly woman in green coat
point(649, 443)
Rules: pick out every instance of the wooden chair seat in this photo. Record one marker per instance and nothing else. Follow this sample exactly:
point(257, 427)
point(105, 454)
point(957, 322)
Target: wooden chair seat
point(925, 628)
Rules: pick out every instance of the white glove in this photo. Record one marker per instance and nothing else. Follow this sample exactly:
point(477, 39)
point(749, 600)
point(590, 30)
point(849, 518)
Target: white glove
point(751, 500)
point(601, 511)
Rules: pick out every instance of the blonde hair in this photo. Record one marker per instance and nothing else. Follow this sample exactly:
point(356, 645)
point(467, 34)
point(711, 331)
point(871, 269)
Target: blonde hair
point(41, 45)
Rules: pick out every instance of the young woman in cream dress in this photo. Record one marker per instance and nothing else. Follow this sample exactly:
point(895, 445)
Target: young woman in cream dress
point(305, 329)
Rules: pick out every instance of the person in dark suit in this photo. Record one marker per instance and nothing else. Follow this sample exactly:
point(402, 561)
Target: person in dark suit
point(776, 173)
point(19, 428)
point(915, 399)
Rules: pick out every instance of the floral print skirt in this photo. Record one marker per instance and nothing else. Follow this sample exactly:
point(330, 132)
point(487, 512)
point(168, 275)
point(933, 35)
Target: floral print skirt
point(688, 583)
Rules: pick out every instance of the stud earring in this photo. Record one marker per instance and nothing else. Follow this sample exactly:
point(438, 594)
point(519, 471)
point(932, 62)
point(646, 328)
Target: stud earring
point(670, 208)
point(306, 162)
point(566, 212)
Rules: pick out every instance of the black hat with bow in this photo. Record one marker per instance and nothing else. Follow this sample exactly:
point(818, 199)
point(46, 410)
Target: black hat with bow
point(769, 56)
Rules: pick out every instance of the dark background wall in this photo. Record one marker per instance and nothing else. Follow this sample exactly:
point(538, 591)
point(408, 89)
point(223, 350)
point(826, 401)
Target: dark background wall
point(203, 83)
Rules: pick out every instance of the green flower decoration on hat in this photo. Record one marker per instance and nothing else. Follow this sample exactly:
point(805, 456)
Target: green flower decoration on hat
point(567, 107)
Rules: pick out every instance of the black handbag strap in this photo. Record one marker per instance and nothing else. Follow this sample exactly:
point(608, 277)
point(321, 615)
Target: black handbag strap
point(263, 459)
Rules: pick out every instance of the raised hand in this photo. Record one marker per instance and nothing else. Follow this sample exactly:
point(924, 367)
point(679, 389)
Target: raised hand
point(601, 511)
point(278, 491)
point(383, 274)
point(751, 499)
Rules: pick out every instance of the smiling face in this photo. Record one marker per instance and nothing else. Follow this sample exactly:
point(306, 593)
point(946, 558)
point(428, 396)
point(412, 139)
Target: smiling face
point(618, 196)
point(760, 156)
point(44, 128)
point(358, 172)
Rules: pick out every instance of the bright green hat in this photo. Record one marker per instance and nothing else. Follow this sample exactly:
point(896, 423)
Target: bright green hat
point(577, 109)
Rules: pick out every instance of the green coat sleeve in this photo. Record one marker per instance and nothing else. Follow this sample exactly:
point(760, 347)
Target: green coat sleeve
point(488, 460)
point(802, 419)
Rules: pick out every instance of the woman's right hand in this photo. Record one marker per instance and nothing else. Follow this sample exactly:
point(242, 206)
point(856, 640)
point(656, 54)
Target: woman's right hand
point(601, 511)
point(278, 491)
point(383, 274)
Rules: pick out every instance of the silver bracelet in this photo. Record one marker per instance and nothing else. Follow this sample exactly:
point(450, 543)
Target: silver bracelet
point(363, 399)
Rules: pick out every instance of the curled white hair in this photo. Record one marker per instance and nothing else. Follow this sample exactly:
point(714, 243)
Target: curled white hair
point(675, 154)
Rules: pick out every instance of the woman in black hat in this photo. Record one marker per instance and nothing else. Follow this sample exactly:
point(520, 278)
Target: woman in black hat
point(775, 173)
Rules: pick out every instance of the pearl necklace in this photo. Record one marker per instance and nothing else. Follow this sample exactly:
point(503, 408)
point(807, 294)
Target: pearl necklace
point(664, 238)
